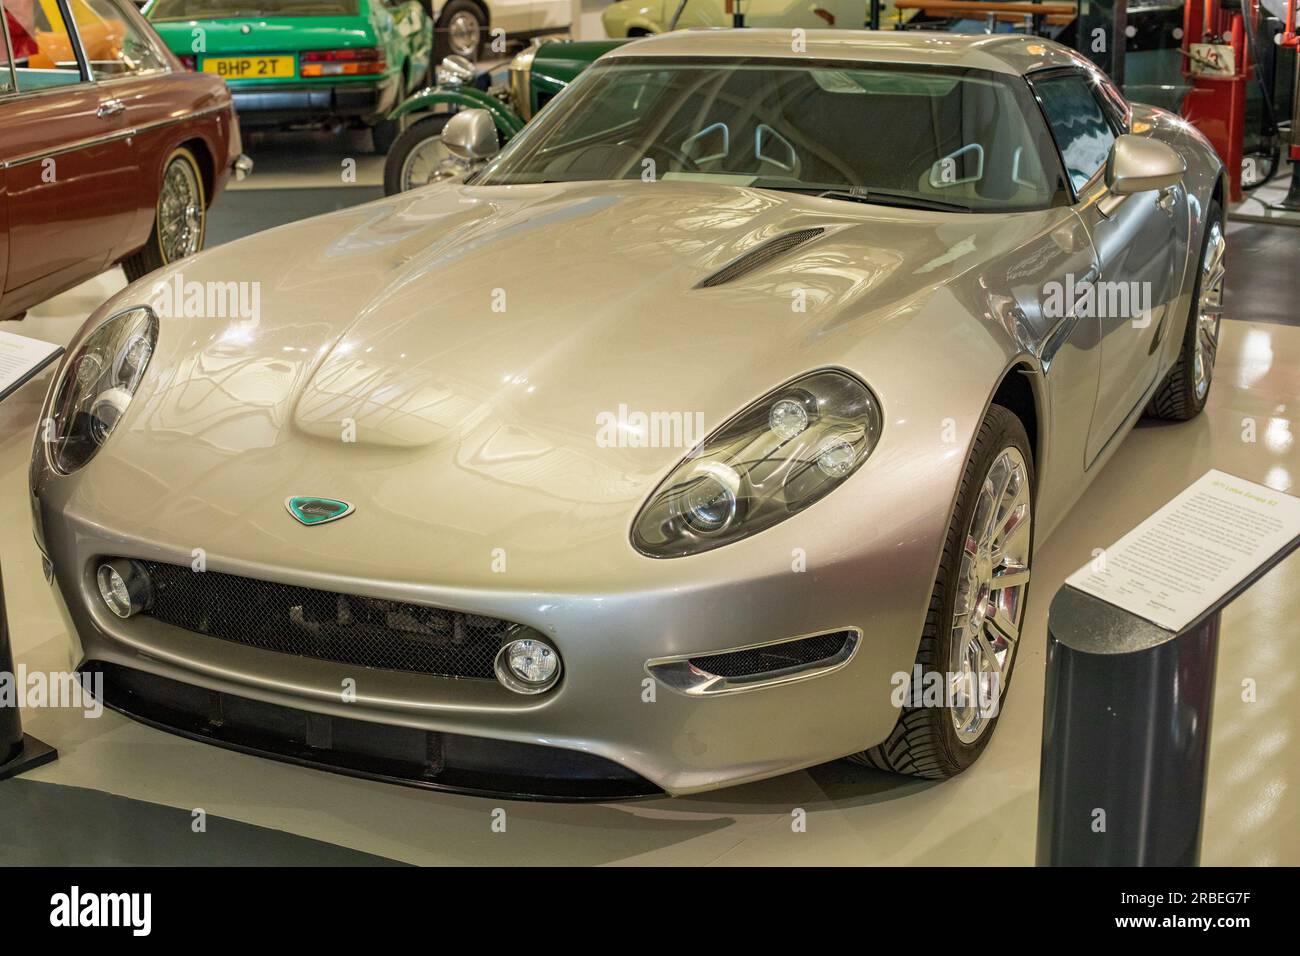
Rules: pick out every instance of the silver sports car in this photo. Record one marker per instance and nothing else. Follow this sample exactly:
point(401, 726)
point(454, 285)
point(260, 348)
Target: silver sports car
point(704, 433)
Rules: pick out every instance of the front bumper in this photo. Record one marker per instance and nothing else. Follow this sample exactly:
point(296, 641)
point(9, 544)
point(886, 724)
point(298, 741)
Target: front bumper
point(607, 707)
point(317, 103)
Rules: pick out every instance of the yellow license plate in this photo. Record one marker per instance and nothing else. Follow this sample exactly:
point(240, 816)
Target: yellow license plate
point(249, 67)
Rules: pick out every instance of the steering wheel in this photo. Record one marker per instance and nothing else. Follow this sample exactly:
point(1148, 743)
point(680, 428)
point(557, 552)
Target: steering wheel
point(687, 163)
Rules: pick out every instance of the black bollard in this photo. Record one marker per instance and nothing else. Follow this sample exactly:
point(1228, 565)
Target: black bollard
point(1126, 732)
point(1291, 201)
point(19, 752)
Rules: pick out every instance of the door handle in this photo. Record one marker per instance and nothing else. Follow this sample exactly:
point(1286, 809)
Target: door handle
point(110, 108)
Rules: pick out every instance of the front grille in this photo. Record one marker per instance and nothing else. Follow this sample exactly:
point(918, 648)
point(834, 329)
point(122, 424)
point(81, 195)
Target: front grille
point(753, 661)
point(325, 625)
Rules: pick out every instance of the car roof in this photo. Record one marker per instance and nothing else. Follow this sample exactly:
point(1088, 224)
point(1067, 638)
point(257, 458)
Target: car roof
point(999, 53)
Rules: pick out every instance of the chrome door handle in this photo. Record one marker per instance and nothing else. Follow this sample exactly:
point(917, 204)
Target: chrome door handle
point(109, 108)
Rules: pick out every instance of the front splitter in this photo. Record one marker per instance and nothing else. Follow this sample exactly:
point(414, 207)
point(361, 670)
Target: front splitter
point(431, 760)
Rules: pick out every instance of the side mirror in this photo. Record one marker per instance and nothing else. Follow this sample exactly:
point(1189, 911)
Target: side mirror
point(455, 70)
point(1138, 165)
point(471, 135)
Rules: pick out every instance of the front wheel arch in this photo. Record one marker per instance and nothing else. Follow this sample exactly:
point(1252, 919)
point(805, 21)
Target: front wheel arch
point(923, 742)
point(202, 154)
point(152, 256)
point(1016, 392)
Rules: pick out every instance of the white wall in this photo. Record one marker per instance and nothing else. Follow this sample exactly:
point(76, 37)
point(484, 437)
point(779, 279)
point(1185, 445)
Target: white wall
point(586, 19)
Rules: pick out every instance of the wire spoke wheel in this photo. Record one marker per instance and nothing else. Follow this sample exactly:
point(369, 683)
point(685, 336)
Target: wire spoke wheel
point(180, 211)
point(427, 162)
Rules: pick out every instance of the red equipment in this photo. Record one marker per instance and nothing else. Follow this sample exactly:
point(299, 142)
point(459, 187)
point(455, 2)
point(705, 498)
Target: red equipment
point(1217, 62)
point(1288, 39)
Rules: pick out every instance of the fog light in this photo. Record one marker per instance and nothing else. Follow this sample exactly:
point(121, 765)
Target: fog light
point(124, 586)
point(526, 663)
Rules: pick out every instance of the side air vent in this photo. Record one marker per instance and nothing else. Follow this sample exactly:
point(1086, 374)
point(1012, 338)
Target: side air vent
point(758, 257)
point(761, 661)
point(755, 667)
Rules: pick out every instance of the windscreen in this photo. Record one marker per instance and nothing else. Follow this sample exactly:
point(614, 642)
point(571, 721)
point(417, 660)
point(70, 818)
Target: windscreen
point(968, 138)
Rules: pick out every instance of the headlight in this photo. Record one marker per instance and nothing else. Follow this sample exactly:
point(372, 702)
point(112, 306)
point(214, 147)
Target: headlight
point(771, 461)
point(520, 69)
point(98, 383)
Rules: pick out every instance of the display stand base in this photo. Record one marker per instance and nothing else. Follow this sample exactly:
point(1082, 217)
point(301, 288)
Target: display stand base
point(32, 755)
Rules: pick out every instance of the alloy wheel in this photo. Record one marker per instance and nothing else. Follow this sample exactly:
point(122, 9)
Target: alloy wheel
point(991, 587)
point(1209, 310)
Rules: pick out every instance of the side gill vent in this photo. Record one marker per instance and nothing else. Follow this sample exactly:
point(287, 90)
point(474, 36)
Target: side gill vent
point(759, 257)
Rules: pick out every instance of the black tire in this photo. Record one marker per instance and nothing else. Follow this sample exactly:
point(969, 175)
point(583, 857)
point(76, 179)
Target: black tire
point(151, 255)
point(384, 134)
point(441, 42)
point(418, 133)
point(1176, 399)
point(924, 741)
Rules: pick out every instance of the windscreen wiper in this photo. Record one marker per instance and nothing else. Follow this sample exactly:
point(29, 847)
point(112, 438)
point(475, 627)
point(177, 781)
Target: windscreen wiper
point(880, 197)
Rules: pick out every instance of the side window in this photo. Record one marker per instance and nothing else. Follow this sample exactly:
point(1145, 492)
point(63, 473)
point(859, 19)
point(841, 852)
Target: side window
point(114, 45)
point(42, 49)
point(1081, 130)
point(7, 81)
point(1112, 100)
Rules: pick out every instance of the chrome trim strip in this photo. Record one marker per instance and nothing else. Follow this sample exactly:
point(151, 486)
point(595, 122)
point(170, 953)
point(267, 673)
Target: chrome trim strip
point(108, 79)
point(110, 137)
point(69, 148)
point(100, 83)
point(173, 120)
point(680, 675)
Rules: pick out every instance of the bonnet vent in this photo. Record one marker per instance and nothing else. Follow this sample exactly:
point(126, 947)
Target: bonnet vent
point(758, 257)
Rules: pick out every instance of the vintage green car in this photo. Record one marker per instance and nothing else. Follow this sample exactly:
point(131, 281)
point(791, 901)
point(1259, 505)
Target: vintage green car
point(305, 62)
point(419, 157)
point(639, 18)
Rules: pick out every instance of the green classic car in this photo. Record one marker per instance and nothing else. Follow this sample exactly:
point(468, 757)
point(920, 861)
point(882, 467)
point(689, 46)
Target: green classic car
point(640, 18)
point(535, 76)
point(305, 62)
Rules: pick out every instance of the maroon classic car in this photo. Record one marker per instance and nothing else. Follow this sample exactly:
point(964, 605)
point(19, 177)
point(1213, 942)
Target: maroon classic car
point(110, 151)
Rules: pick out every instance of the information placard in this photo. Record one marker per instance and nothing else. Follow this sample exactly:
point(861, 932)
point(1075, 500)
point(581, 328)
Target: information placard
point(1177, 563)
point(21, 359)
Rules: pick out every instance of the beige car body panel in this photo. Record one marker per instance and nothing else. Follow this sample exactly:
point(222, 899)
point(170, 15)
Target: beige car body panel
point(476, 433)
